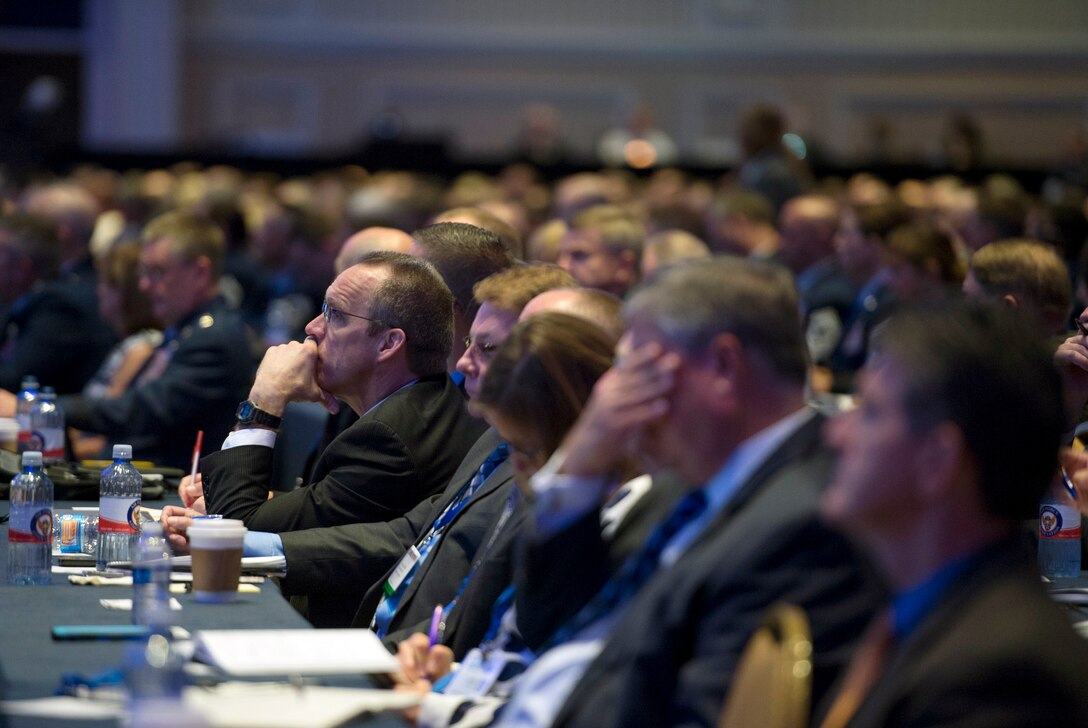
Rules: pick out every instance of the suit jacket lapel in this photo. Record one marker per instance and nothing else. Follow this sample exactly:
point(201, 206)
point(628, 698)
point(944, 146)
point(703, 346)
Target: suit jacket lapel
point(503, 474)
point(1003, 559)
point(800, 443)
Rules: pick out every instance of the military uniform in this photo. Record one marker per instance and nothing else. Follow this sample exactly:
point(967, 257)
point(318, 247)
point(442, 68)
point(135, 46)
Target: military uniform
point(193, 381)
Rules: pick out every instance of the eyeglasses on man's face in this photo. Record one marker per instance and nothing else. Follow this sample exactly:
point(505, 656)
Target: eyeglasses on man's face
point(335, 316)
point(484, 349)
point(158, 271)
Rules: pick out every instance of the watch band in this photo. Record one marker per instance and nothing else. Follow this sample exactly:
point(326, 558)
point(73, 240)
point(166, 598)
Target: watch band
point(250, 414)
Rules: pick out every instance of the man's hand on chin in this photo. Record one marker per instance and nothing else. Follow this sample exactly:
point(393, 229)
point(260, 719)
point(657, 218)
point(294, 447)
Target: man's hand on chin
point(288, 374)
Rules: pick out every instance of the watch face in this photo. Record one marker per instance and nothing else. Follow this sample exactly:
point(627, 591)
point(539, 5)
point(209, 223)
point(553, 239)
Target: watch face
point(245, 412)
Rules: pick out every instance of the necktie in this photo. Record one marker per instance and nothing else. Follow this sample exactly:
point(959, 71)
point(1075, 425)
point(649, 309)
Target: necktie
point(388, 605)
point(635, 572)
point(863, 671)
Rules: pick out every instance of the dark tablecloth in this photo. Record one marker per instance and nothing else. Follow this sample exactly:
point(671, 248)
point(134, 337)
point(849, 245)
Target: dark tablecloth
point(32, 663)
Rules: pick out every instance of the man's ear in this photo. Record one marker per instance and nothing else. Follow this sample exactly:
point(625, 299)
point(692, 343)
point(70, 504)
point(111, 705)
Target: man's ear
point(941, 458)
point(627, 267)
point(393, 340)
point(204, 264)
point(726, 358)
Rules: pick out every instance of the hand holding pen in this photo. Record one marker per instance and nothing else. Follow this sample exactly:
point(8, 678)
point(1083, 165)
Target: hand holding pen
point(422, 662)
point(1074, 475)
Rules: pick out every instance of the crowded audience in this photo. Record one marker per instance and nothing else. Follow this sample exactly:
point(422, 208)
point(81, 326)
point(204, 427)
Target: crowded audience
point(604, 422)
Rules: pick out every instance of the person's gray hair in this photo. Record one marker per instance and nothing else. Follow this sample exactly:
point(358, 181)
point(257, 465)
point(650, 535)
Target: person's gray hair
point(756, 301)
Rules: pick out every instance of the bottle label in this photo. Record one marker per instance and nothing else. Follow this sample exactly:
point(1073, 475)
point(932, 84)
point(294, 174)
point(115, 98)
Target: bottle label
point(38, 528)
point(118, 515)
point(1056, 521)
point(49, 441)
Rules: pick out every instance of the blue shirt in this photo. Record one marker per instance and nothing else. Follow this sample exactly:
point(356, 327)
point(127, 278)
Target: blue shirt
point(910, 608)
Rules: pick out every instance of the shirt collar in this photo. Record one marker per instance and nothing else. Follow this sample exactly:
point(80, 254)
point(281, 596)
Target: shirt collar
point(749, 455)
point(911, 607)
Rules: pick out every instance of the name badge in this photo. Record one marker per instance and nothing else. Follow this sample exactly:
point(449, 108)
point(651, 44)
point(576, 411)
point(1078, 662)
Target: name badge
point(400, 571)
point(478, 674)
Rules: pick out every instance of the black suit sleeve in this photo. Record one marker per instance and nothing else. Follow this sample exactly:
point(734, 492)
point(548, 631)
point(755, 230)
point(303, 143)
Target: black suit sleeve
point(549, 590)
point(365, 484)
point(348, 559)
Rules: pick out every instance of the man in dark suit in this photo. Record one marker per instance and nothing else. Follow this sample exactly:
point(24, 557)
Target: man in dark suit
point(379, 345)
point(49, 327)
point(334, 566)
point(439, 579)
point(955, 439)
point(860, 249)
point(201, 368)
point(709, 382)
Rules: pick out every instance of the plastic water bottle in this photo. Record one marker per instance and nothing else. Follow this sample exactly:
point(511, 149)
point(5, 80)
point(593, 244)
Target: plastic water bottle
point(24, 406)
point(151, 579)
point(155, 679)
point(30, 527)
point(118, 508)
point(47, 424)
point(1059, 538)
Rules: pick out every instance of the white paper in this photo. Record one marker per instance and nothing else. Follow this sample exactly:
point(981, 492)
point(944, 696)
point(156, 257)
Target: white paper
point(64, 706)
point(275, 706)
point(237, 705)
point(294, 651)
point(125, 605)
point(249, 563)
point(268, 563)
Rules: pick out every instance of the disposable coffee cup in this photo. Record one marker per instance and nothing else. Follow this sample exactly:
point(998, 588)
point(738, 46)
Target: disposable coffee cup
point(9, 434)
point(216, 547)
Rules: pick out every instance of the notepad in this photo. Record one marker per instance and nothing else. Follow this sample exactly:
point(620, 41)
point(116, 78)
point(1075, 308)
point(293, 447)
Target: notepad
point(250, 564)
point(255, 652)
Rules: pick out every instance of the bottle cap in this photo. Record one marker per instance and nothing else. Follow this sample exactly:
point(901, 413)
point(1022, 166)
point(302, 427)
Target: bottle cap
point(122, 451)
point(32, 458)
point(152, 528)
point(29, 382)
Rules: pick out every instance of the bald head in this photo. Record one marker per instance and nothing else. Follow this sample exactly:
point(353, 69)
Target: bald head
point(369, 240)
point(807, 227)
point(597, 307)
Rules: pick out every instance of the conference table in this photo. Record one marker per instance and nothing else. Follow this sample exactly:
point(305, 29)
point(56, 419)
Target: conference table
point(32, 663)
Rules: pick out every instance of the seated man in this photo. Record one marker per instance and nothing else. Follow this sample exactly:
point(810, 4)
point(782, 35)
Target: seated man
point(1025, 274)
point(49, 326)
point(335, 566)
point(380, 345)
point(603, 248)
point(955, 439)
point(203, 365)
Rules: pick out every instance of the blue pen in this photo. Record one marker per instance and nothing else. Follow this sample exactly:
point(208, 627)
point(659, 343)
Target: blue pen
point(1069, 484)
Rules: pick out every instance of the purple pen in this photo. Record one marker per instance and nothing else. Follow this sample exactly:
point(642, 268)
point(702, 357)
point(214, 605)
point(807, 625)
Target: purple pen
point(435, 633)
